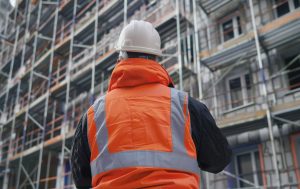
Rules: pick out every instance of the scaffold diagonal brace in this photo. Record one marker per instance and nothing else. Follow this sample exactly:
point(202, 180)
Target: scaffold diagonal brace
point(67, 149)
point(40, 75)
point(45, 37)
point(239, 178)
point(36, 122)
point(286, 121)
point(82, 46)
point(49, 3)
point(5, 74)
point(27, 175)
point(238, 62)
point(30, 174)
point(281, 71)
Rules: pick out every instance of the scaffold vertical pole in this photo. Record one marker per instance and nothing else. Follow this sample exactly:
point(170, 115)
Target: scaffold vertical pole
point(10, 76)
point(16, 14)
point(4, 33)
point(6, 24)
point(197, 57)
point(95, 50)
point(29, 96)
point(53, 118)
point(26, 31)
point(65, 120)
point(215, 99)
point(47, 98)
point(7, 93)
point(102, 83)
point(48, 169)
point(125, 13)
point(6, 181)
point(13, 59)
point(179, 56)
point(207, 181)
point(265, 95)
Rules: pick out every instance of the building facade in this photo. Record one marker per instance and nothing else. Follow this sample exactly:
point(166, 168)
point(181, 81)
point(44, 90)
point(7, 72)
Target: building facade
point(240, 57)
point(250, 51)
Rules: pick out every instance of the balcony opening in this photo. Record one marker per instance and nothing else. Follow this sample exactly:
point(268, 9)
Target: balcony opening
point(240, 90)
point(283, 7)
point(230, 28)
point(293, 68)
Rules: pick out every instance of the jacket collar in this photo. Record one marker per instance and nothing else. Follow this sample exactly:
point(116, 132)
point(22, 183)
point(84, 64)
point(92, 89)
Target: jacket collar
point(138, 71)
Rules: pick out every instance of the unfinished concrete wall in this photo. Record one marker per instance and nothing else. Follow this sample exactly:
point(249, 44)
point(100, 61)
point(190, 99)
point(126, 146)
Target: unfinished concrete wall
point(285, 162)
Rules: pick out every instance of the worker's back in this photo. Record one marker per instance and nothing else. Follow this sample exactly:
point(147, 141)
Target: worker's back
point(139, 132)
point(143, 132)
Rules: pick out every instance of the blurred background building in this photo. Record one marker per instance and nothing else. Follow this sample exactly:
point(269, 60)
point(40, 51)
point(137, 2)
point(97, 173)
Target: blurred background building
point(240, 57)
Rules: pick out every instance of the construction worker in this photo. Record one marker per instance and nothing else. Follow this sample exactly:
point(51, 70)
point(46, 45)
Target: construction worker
point(144, 132)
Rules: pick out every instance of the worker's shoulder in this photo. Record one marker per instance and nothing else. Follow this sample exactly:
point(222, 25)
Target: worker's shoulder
point(194, 103)
point(178, 93)
point(98, 103)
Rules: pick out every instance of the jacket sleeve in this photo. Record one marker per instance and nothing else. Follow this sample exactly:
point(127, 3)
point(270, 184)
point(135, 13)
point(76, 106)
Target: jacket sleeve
point(213, 151)
point(80, 156)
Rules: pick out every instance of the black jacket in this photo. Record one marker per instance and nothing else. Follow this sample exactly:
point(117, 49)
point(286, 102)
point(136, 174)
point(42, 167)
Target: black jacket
point(213, 152)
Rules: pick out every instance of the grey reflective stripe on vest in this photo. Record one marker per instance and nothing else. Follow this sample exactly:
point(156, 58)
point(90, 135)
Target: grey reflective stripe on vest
point(177, 159)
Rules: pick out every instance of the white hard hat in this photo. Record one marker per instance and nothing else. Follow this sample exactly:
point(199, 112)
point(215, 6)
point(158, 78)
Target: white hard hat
point(139, 36)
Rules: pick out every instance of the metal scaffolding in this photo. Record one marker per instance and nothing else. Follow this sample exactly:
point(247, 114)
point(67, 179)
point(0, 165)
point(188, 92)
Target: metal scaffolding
point(57, 57)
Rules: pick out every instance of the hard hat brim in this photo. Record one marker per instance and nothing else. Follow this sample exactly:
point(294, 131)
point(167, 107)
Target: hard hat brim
point(140, 49)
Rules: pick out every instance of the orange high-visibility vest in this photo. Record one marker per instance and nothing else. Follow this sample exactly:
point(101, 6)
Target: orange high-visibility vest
point(139, 133)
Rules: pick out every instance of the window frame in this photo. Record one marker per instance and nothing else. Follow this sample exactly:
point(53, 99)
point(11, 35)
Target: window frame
point(287, 79)
point(253, 165)
point(234, 25)
point(291, 7)
point(245, 96)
